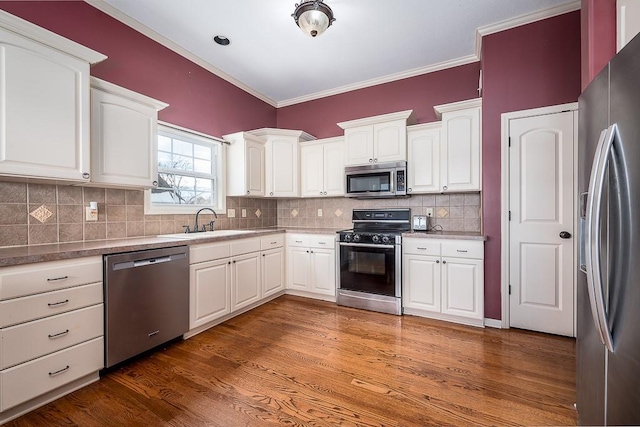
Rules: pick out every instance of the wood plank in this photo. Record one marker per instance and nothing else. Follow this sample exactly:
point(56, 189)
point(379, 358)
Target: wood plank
point(297, 361)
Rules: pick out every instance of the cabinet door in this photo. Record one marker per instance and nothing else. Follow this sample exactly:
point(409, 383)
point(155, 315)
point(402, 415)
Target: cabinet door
point(245, 280)
point(272, 271)
point(210, 291)
point(282, 167)
point(423, 167)
point(334, 179)
point(44, 111)
point(390, 141)
point(359, 145)
point(124, 141)
point(463, 287)
point(460, 152)
point(323, 271)
point(421, 282)
point(312, 170)
point(298, 268)
point(255, 168)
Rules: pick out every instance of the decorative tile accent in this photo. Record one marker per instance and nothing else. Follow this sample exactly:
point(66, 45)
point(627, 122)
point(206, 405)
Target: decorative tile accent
point(338, 213)
point(443, 212)
point(42, 214)
point(294, 213)
point(258, 213)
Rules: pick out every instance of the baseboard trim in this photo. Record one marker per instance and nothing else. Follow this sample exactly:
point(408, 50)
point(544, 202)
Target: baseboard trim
point(493, 323)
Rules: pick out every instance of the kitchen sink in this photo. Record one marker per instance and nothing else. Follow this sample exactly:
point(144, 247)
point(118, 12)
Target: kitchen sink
point(204, 234)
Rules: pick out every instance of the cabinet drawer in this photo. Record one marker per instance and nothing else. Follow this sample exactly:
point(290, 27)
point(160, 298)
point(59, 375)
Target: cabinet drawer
point(34, 339)
point(421, 247)
point(322, 241)
point(273, 241)
point(24, 309)
point(48, 276)
point(463, 249)
point(298, 240)
point(31, 379)
point(244, 246)
point(208, 252)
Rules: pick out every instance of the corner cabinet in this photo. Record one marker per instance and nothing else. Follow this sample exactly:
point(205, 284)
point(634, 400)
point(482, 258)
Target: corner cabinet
point(322, 168)
point(282, 177)
point(245, 165)
point(45, 103)
point(444, 279)
point(377, 139)
point(124, 136)
point(460, 152)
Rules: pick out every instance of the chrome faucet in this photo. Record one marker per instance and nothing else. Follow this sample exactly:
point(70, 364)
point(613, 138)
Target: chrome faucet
point(204, 227)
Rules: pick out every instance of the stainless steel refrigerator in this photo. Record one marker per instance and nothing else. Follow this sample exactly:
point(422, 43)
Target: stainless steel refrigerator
point(608, 312)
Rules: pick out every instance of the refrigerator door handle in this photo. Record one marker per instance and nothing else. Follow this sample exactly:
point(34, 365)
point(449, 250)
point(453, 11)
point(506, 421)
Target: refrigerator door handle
point(593, 234)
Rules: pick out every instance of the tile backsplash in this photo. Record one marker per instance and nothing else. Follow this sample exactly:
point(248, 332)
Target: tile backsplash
point(32, 214)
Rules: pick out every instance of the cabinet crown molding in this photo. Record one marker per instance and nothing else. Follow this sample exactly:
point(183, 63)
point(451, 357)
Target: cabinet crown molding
point(323, 141)
point(240, 137)
point(114, 89)
point(267, 132)
point(407, 115)
point(424, 126)
point(48, 38)
point(455, 106)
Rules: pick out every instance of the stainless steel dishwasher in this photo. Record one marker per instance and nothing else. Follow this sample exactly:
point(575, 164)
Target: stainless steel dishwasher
point(146, 300)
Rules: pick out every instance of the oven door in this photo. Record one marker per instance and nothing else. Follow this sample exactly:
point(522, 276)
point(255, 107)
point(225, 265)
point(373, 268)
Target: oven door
point(373, 269)
point(372, 183)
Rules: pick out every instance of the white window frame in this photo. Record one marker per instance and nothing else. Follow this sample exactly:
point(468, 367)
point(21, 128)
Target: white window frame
point(221, 190)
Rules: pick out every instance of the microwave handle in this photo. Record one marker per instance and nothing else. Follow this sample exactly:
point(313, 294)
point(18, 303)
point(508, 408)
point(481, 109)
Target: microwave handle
point(393, 182)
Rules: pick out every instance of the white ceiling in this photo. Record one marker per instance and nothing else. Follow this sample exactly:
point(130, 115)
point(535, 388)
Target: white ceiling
point(371, 41)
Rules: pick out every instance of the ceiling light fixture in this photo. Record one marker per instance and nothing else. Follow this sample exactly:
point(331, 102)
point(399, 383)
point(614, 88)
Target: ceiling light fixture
point(313, 17)
point(221, 40)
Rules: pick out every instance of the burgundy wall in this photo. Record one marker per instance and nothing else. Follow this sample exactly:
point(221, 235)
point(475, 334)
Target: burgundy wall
point(420, 93)
point(531, 66)
point(198, 99)
point(598, 29)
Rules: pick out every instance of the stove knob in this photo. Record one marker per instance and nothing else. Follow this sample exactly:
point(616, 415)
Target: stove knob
point(385, 239)
point(356, 238)
point(376, 239)
point(347, 237)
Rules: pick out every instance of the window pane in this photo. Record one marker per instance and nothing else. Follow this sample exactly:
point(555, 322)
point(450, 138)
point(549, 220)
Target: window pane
point(164, 160)
point(204, 198)
point(164, 143)
point(186, 182)
point(203, 185)
point(203, 166)
point(183, 147)
point(182, 163)
point(202, 152)
point(163, 196)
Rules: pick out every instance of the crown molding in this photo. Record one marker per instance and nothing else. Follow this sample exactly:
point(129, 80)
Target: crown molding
point(455, 106)
point(268, 132)
point(108, 87)
point(407, 115)
point(322, 141)
point(525, 19)
point(157, 37)
point(380, 80)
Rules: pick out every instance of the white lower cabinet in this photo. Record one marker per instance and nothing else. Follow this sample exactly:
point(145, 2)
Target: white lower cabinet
point(210, 291)
point(246, 288)
point(311, 265)
point(444, 279)
point(272, 271)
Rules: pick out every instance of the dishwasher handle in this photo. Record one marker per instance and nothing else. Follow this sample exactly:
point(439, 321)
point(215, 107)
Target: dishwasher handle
point(149, 261)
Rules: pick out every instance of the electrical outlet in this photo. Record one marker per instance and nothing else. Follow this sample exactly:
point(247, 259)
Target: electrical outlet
point(231, 213)
point(90, 214)
point(319, 212)
point(244, 213)
point(429, 212)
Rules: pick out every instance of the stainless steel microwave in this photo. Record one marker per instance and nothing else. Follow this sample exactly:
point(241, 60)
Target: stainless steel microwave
point(377, 180)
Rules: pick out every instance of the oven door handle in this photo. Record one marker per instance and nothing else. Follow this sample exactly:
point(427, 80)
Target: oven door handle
point(366, 245)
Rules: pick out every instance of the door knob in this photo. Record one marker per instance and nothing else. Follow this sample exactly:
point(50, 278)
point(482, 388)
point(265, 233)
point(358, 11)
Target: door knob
point(565, 235)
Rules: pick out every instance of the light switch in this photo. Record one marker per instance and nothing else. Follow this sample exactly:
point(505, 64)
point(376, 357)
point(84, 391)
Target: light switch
point(319, 212)
point(244, 213)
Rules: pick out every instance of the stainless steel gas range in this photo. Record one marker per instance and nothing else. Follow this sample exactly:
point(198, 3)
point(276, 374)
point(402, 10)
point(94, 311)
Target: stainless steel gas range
point(370, 260)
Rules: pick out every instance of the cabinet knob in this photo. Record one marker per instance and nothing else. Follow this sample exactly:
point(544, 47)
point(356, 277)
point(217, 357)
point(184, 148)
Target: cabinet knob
point(375, 160)
point(155, 183)
point(409, 190)
point(262, 254)
point(565, 235)
point(370, 160)
point(444, 187)
point(86, 175)
point(234, 261)
point(437, 261)
point(248, 192)
point(271, 194)
point(325, 193)
point(443, 261)
point(311, 251)
point(229, 263)
point(321, 193)
point(307, 251)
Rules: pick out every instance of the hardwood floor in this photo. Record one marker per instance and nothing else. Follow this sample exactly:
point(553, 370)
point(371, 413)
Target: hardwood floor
point(297, 361)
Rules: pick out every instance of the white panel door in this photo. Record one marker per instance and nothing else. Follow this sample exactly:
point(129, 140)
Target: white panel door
point(334, 179)
point(272, 271)
point(298, 268)
point(390, 141)
point(423, 168)
point(541, 196)
point(210, 291)
point(421, 278)
point(323, 270)
point(312, 170)
point(462, 287)
point(359, 142)
point(245, 280)
point(255, 168)
point(282, 167)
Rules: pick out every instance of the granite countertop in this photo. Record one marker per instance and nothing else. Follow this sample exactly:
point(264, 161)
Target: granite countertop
point(17, 255)
point(458, 235)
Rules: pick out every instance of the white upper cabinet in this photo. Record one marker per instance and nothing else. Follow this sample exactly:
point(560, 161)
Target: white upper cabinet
point(628, 21)
point(245, 165)
point(460, 159)
point(44, 102)
point(322, 168)
point(377, 139)
point(282, 177)
point(124, 136)
point(423, 166)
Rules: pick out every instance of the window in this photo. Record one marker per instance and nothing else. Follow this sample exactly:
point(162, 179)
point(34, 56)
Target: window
point(189, 173)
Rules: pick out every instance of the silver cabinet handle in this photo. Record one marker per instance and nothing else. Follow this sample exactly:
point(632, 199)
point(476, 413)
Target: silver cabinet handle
point(375, 160)
point(422, 249)
point(370, 160)
point(86, 175)
point(59, 371)
point(271, 193)
point(155, 183)
point(321, 193)
point(56, 304)
point(58, 335)
point(298, 241)
point(55, 279)
point(444, 187)
point(325, 193)
point(409, 189)
point(248, 192)
point(322, 243)
point(274, 243)
point(463, 251)
point(593, 234)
